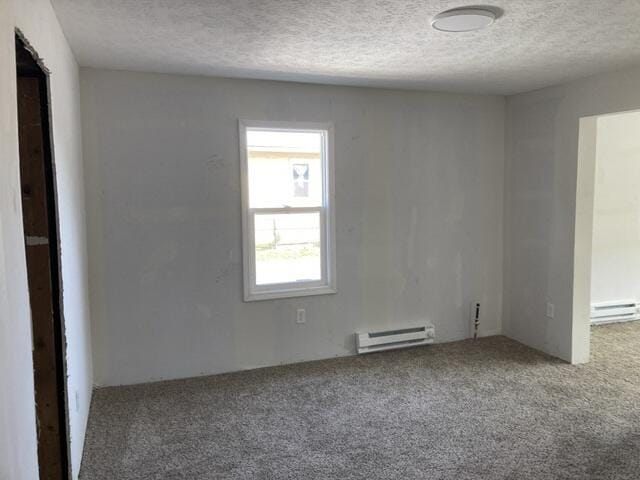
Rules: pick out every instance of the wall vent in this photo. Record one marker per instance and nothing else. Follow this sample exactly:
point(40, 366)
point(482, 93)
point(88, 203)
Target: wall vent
point(616, 311)
point(379, 340)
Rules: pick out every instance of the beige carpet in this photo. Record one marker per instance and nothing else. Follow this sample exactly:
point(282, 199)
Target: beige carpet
point(487, 410)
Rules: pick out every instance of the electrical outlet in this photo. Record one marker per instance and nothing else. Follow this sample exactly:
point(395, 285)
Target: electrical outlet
point(551, 310)
point(301, 315)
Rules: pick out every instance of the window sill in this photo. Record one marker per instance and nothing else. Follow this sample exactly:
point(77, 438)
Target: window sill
point(290, 293)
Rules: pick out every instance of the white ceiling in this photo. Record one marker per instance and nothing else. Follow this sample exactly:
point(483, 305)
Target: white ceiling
point(386, 43)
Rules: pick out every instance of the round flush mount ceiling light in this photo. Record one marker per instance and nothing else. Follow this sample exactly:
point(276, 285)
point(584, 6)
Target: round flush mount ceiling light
point(463, 19)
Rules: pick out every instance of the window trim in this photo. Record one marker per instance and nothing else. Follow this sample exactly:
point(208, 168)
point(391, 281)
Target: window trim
point(327, 284)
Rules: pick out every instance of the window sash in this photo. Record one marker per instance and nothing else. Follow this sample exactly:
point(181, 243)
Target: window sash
point(303, 284)
point(326, 284)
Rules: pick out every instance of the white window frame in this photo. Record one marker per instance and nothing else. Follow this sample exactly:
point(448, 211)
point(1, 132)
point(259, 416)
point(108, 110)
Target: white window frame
point(327, 283)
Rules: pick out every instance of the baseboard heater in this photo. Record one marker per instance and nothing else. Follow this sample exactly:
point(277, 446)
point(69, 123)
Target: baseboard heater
point(379, 340)
point(616, 311)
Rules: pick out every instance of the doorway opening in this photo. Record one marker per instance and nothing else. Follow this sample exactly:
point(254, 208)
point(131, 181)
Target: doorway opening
point(607, 228)
point(40, 222)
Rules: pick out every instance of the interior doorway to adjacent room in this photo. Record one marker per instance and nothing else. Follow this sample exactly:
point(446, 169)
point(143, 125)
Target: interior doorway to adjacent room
point(37, 182)
point(607, 237)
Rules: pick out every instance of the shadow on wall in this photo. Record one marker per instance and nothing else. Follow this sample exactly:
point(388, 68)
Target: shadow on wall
point(533, 181)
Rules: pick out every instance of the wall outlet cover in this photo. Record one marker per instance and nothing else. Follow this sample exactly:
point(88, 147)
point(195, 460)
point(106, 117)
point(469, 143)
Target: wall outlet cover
point(550, 310)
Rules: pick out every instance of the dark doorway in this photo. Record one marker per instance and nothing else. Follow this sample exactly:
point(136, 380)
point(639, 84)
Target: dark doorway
point(40, 222)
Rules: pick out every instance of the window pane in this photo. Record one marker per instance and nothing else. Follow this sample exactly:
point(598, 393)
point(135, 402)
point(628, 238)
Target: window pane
point(285, 168)
point(287, 248)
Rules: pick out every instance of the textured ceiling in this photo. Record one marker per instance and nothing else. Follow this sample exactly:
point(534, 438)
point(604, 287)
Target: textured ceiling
point(386, 43)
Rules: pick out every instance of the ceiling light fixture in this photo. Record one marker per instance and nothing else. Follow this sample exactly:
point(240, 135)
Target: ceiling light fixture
point(463, 19)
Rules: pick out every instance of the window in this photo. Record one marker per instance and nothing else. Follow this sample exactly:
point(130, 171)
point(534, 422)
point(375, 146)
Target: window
point(300, 179)
point(287, 195)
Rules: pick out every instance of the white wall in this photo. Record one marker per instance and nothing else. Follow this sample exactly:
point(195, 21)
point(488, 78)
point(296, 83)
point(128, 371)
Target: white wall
point(18, 455)
point(419, 189)
point(18, 448)
point(542, 215)
point(615, 267)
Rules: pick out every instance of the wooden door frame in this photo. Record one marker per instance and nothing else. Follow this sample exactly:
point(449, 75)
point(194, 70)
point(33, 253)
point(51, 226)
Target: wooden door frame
point(36, 68)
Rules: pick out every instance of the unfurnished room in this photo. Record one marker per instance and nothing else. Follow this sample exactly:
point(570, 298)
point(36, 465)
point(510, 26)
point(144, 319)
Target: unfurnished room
point(319, 239)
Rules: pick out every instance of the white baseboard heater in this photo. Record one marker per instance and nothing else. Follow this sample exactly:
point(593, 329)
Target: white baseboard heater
point(379, 340)
point(616, 311)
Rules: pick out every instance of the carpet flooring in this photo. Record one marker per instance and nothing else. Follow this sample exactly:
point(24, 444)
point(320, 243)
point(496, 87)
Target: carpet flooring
point(493, 409)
